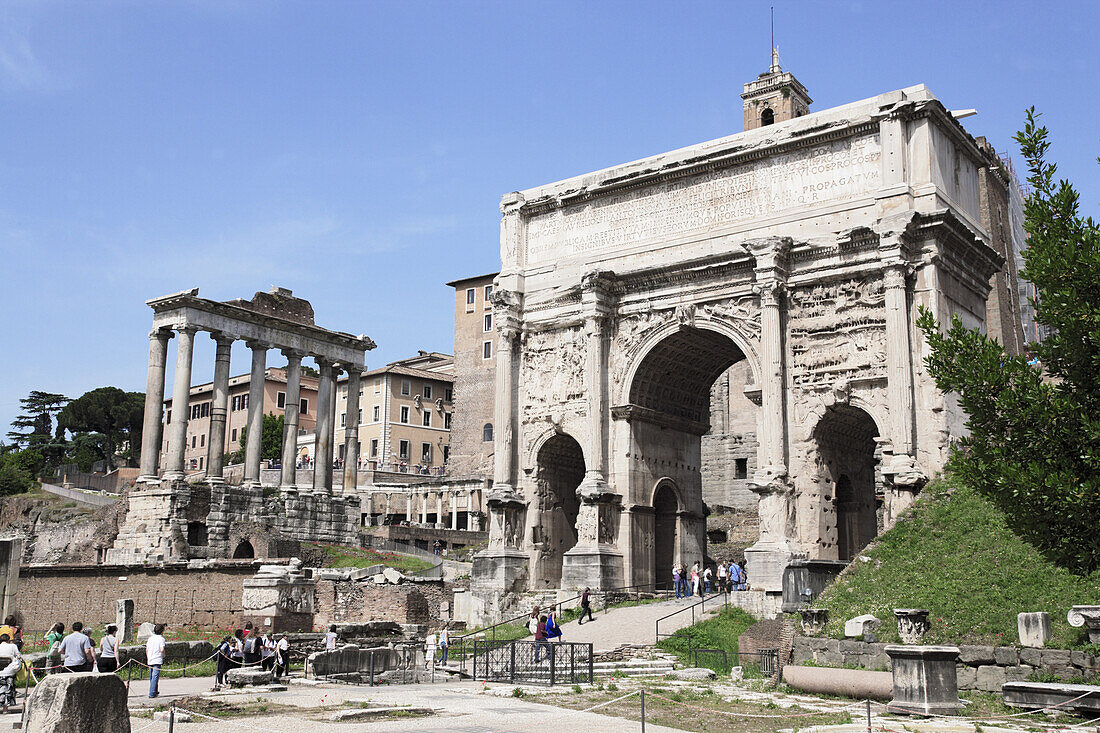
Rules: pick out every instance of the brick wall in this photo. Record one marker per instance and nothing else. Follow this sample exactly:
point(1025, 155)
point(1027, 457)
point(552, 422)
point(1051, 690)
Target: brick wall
point(732, 437)
point(349, 601)
point(171, 594)
point(474, 390)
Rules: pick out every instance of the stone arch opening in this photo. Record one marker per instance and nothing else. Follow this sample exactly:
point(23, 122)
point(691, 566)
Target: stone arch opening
point(244, 551)
point(767, 117)
point(559, 471)
point(666, 507)
point(845, 438)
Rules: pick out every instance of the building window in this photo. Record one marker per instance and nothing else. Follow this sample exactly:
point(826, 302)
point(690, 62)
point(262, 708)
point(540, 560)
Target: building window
point(767, 117)
point(469, 299)
point(240, 402)
point(374, 448)
point(377, 385)
point(406, 387)
point(168, 418)
point(194, 412)
point(404, 413)
point(403, 450)
point(204, 409)
point(233, 436)
point(194, 440)
point(360, 415)
point(427, 418)
point(447, 420)
point(200, 462)
point(449, 394)
point(425, 452)
point(741, 467)
point(202, 442)
point(427, 391)
point(446, 453)
point(488, 292)
point(280, 400)
point(343, 419)
point(487, 350)
point(487, 433)
point(487, 325)
point(303, 406)
point(376, 414)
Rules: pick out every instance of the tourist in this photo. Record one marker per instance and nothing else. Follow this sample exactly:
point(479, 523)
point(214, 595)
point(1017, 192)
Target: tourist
point(676, 580)
point(707, 575)
point(282, 656)
point(251, 652)
point(267, 653)
point(13, 631)
point(247, 629)
point(224, 662)
point(437, 547)
point(540, 639)
point(330, 639)
point(8, 650)
point(108, 651)
point(77, 650)
point(53, 647)
point(444, 642)
point(695, 580)
point(154, 657)
point(533, 620)
point(586, 607)
point(236, 650)
point(553, 631)
point(431, 643)
point(723, 577)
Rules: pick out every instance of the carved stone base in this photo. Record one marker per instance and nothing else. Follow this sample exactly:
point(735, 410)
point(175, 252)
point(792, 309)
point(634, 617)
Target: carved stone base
point(597, 567)
point(765, 563)
point(154, 528)
point(924, 679)
point(498, 570)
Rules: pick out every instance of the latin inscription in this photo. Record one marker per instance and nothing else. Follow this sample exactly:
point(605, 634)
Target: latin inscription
point(757, 189)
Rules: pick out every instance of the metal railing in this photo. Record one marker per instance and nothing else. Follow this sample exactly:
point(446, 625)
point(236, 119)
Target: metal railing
point(533, 662)
point(701, 605)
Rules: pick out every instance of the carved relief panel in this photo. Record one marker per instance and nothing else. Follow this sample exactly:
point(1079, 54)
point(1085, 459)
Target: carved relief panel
point(552, 372)
point(837, 331)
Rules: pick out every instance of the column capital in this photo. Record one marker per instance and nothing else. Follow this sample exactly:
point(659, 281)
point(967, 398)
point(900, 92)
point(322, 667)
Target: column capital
point(322, 362)
point(771, 291)
point(257, 345)
point(293, 354)
point(222, 339)
point(895, 274)
point(187, 329)
point(161, 334)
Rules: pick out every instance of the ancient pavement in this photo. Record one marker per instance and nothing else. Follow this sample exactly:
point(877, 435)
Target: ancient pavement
point(635, 624)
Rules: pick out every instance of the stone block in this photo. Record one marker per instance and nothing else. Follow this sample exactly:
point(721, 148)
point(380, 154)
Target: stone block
point(1033, 657)
point(144, 632)
point(124, 620)
point(831, 659)
point(693, 673)
point(967, 677)
point(1056, 658)
point(248, 677)
point(925, 679)
point(393, 576)
point(801, 655)
point(861, 626)
point(990, 677)
point(1006, 656)
point(1018, 673)
point(975, 655)
point(1078, 659)
point(84, 702)
point(832, 645)
point(879, 661)
point(847, 646)
point(1033, 628)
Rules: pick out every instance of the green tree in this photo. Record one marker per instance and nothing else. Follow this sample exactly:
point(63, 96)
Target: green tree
point(1034, 444)
point(34, 427)
point(115, 414)
point(271, 440)
point(15, 478)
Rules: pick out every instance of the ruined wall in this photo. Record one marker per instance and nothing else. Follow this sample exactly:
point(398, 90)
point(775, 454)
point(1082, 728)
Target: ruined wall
point(730, 448)
point(350, 601)
point(172, 594)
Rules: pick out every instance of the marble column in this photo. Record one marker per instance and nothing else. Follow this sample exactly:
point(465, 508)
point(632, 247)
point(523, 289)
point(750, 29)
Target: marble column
point(154, 403)
point(351, 432)
point(288, 477)
point(595, 475)
point(503, 463)
point(219, 407)
point(409, 507)
point(773, 424)
point(181, 407)
point(439, 509)
point(424, 508)
point(322, 451)
point(454, 510)
point(255, 424)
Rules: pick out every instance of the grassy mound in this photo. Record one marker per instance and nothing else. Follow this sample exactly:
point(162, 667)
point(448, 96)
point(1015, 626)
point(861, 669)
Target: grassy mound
point(954, 554)
point(718, 632)
point(345, 556)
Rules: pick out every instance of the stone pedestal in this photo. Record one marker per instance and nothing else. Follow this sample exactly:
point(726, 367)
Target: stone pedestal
point(1034, 629)
point(598, 567)
point(154, 529)
point(924, 679)
point(279, 598)
point(765, 563)
point(1088, 616)
point(802, 575)
point(498, 570)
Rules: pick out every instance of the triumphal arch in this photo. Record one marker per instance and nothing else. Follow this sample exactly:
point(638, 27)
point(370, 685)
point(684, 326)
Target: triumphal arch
point(801, 249)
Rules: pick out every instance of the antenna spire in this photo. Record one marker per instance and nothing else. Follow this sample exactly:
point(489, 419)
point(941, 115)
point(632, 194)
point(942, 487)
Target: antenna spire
point(775, 68)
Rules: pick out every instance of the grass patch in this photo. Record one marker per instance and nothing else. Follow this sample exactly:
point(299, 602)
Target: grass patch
point(344, 556)
point(718, 632)
point(955, 555)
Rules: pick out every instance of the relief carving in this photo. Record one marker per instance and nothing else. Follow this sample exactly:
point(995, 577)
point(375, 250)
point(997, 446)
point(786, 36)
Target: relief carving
point(553, 370)
point(838, 331)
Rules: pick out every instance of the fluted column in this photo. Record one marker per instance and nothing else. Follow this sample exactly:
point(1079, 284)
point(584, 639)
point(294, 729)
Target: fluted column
point(181, 408)
point(154, 403)
point(288, 476)
point(595, 301)
point(503, 464)
point(219, 408)
point(351, 432)
point(255, 424)
point(322, 451)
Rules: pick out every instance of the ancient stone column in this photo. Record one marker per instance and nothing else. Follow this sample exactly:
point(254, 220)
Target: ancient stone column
point(454, 510)
point(322, 451)
point(439, 509)
point(505, 406)
point(255, 424)
point(288, 477)
point(154, 403)
point(409, 507)
point(773, 425)
point(595, 301)
point(351, 433)
point(181, 408)
point(219, 407)
point(899, 386)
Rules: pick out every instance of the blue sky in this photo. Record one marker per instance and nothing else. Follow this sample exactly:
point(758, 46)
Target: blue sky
point(356, 152)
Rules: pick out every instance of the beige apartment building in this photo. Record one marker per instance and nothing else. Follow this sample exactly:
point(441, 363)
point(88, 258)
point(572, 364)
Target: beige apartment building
point(405, 412)
point(474, 375)
point(202, 395)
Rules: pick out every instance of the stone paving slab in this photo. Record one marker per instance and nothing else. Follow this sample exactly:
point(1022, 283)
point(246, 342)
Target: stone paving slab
point(634, 624)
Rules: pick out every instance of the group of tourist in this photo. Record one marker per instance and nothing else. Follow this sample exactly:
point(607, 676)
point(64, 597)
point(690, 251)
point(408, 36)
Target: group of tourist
point(75, 651)
point(250, 647)
point(727, 577)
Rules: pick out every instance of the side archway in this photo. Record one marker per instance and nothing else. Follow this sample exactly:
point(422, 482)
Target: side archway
point(559, 470)
point(666, 509)
point(845, 441)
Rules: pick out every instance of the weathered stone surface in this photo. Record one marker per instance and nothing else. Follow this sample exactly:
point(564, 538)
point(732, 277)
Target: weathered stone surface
point(1056, 658)
point(855, 628)
point(144, 632)
point(1017, 673)
point(84, 702)
point(392, 575)
point(248, 677)
point(990, 677)
point(855, 683)
point(967, 677)
point(1006, 656)
point(1033, 628)
point(1085, 698)
point(693, 673)
point(925, 679)
point(975, 655)
point(1031, 657)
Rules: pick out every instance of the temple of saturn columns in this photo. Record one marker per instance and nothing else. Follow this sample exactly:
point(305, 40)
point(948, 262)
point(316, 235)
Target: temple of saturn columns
point(801, 249)
point(172, 516)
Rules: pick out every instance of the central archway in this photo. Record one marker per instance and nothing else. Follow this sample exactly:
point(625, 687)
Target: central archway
point(560, 470)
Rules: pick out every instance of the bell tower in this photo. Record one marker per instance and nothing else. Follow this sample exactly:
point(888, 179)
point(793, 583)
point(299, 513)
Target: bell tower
point(774, 96)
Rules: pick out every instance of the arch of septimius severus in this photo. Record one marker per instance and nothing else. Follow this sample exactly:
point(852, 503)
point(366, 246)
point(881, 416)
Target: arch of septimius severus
point(802, 249)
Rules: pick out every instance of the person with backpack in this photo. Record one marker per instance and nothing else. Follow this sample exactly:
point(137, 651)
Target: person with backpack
point(540, 640)
point(586, 607)
point(224, 662)
point(553, 631)
point(53, 648)
point(533, 621)
point(252, 649)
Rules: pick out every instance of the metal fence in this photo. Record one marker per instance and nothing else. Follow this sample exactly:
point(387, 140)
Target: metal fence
point(533, 662)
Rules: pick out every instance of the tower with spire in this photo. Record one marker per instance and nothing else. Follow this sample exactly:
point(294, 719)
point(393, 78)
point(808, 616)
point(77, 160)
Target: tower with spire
point(774, 96)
